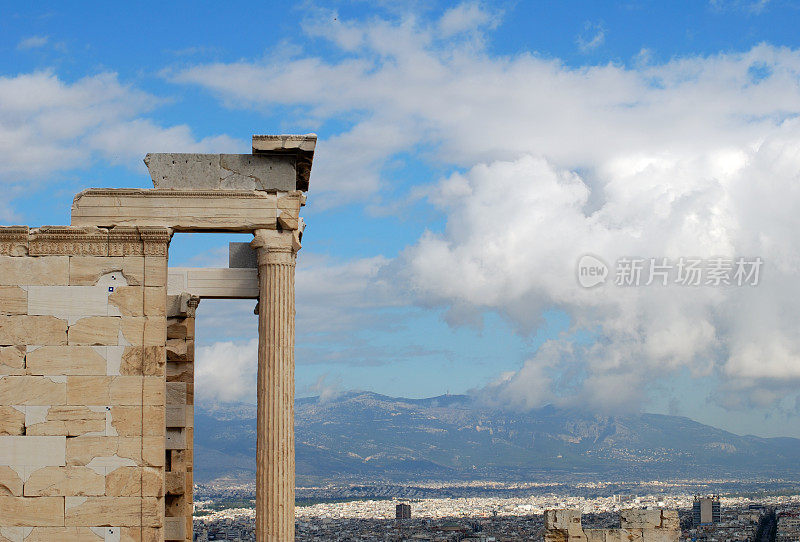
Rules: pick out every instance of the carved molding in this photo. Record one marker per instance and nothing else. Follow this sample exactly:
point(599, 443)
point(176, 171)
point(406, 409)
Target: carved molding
point(14, 240)
point(142, 241)
point(83, 241)
point(155, 240)
point(61, 240)
point(124, 242)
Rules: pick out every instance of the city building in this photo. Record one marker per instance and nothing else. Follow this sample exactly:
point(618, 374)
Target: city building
point(403, 511)
point(788, 528)
point(706, 510)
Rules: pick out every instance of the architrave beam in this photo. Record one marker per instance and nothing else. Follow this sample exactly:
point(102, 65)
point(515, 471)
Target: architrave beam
point(213, 283)
point(188, 210)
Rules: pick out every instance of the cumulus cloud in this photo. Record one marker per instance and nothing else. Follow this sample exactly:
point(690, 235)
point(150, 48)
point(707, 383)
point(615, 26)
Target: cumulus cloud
point(74, 124)
point(695, 157)
point(517, 255)
point(226, 371)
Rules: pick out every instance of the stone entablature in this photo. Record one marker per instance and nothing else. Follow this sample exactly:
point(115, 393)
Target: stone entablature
point(84, 241)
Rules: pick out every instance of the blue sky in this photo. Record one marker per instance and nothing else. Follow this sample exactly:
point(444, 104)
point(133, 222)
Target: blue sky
point(468, 154)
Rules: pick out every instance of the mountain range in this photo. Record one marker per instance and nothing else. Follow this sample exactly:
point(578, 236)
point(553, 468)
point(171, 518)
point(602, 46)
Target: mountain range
point(362, 436)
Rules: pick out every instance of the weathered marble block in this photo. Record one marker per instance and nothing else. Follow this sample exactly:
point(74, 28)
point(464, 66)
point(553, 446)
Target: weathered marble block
point(222, 171)
point(13, 300)
point(45, 270)
point(23, 329)
point(65, 360)
point(64, 481)
point(31, 511)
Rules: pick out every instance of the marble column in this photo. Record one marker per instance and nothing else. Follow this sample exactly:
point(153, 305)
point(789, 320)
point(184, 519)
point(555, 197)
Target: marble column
point(277, 252)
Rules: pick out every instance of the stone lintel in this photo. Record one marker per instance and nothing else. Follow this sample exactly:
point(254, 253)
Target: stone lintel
point(213, 283)
point(188, 210)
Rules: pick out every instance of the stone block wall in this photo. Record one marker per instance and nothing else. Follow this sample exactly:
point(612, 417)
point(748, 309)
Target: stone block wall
point(179, 417)
point(83, 349)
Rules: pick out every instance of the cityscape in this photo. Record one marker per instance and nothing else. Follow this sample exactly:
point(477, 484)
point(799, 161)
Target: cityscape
point(705, 517)
point(599, 478)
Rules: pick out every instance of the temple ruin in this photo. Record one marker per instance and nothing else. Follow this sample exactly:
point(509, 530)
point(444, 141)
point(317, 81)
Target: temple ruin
point(635, 526)
point(97, 347)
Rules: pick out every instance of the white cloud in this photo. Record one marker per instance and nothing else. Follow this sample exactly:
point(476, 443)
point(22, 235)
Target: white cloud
point(121, 142)
point(467, 17)
point(49, 125)
point(33, 42)
point(407, 91)
point(226, 371)
point(333, 296)
point(517, 255)
point(326, 387)
point(333, 299)
point(692, 157)
point(327, 23)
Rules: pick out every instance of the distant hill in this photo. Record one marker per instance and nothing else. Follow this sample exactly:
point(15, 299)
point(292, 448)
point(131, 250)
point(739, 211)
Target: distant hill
point(370, 437)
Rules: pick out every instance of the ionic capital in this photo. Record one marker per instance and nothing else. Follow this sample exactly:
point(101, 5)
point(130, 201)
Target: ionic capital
point(275, 246)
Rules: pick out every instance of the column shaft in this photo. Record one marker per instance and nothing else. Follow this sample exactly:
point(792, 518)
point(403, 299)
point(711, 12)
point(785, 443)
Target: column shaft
point(275, 476)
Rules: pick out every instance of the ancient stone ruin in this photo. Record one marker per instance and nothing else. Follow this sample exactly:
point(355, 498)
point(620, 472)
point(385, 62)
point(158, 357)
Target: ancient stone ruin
point(635, 526)
point(97, 347)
